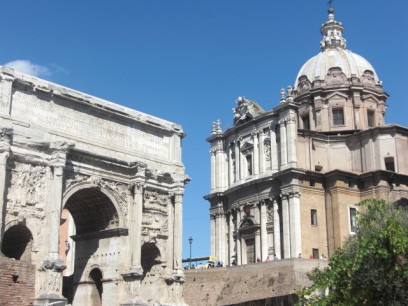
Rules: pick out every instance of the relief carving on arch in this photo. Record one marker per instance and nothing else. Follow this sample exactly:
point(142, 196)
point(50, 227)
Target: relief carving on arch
point(27, 189)
point(155, 212)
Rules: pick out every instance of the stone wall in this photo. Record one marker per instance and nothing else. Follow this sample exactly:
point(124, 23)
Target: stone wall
point(17, 279)
point(238, 284)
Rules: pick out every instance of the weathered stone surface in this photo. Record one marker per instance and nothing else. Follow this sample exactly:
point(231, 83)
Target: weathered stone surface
point(91, 194)
point(238, 284)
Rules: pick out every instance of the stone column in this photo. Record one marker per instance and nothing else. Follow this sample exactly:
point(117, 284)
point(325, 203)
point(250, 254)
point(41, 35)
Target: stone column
point(286, 226)
point(239, 255)
point(291, 140)
point(5, 136)
point(262, 159)
point(135, 273)
point(241, 161)
point(264, 232)
point(255, 156)
point(6, 89)
point(274, 150)
point(295, 228)
point(258, 246)
point(217, 168)
point(213, 169)
point(231, 242)
point(178, 230)
point(276, 229)
point(220, 236)
point(51, 269)
point(213, 234)
point(283, 144)
point(170, 226)
point(224, 237)
point(230, 165)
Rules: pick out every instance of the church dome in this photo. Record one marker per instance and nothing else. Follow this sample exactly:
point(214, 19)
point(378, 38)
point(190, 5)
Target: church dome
point(334, 54)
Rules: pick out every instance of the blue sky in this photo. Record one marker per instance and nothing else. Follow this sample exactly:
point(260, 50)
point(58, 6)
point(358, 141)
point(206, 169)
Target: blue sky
point(188, 60)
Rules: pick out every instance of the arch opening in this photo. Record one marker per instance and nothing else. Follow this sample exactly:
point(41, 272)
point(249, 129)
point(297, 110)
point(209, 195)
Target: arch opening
point(150, 257)
point(92, 211)
point(17, 242)
point(96, 295)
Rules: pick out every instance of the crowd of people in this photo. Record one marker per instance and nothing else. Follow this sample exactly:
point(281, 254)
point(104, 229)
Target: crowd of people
point(234, 263)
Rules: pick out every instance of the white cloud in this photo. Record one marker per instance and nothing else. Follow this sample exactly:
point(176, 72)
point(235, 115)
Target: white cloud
point(30, 68)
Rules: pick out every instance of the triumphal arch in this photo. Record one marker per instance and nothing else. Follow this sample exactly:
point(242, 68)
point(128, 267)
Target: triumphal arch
point(91, 194)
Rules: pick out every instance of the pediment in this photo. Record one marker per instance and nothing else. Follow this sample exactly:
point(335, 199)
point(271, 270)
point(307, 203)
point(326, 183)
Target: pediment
point(337, 95)
point(247, 147)
point(370, 98)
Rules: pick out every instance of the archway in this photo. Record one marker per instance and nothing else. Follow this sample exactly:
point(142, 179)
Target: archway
point(96, 292)
point(17, 243)
point(150, 257)
point(96, 220)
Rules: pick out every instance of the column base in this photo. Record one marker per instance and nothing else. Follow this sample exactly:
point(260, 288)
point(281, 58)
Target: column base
point(134, 303)
point(50, 299)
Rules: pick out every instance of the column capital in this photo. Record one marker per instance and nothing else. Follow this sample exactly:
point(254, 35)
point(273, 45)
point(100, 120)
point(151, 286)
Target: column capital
point(282, 122)
point(294, 194)
point(136, 187)
point(262, 202)
point(59, 151)
point(141, 170)
point(177, 195)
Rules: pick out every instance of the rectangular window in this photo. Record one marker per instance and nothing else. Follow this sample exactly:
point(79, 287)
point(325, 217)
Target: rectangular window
point(371, 118)
point(313, 216)
point(338, 116)
point(353, 219)
point(389, 164)
point(249, 164)
point(306, 124)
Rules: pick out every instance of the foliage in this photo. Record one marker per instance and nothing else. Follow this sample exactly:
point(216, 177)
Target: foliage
point(372, 267)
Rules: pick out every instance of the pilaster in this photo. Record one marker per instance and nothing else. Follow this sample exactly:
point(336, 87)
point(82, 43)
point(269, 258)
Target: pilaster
point(283, 143)
point(262, 159)
point(256, 152)
point(274, 150)
point(285, 226)
point(5, 140)
point(295, 227)
point(264, 232)
point(276, 229)
point(51, 269)
point(6, 86)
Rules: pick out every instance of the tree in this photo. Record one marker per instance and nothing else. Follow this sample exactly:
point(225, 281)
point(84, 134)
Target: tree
point(372, 267)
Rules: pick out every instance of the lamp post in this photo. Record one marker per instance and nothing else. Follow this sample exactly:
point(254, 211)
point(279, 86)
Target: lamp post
point(190, 241)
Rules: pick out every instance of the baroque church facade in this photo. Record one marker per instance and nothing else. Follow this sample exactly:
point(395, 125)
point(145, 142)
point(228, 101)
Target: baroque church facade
point(285, 181)
point(91, 195)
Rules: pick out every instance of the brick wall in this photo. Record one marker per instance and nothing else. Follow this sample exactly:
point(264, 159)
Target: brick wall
point(17, 279)
point(252, 282)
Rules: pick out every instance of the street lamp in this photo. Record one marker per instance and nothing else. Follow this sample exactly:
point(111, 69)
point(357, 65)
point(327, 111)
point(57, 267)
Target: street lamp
point(190, 241)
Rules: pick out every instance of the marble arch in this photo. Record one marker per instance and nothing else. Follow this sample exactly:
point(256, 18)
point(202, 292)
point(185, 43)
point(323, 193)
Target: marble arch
point(123, 169)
